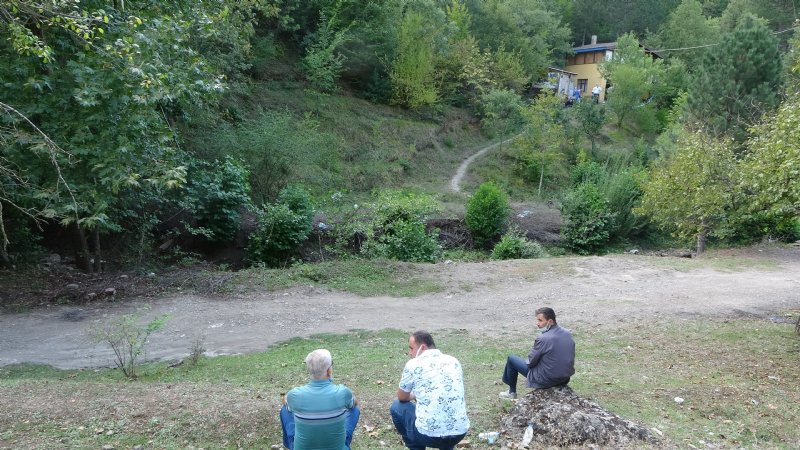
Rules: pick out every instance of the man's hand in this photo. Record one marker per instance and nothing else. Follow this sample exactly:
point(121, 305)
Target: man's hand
point(404, 396)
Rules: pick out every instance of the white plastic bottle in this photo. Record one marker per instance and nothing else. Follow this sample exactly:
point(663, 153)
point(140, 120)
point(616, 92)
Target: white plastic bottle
point(528, 436)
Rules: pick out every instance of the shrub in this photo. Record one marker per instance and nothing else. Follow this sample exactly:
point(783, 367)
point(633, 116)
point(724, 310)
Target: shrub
point(215, 194)
point(587, 171)
point(282, 227)
point(623, 191)
point(408, 241)
point(487, 214)
point(392, 205)
point(127, 340)
point(368, 229)
point(587, 219)
point(501, 110)
point(298, 199)
point(515, 246)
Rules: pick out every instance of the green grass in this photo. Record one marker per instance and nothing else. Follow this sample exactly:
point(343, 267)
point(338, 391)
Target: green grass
point(360, 146)
point(738, 379)
point(367, 278)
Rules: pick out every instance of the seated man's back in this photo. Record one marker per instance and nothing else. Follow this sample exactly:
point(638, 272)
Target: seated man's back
point(320, 413)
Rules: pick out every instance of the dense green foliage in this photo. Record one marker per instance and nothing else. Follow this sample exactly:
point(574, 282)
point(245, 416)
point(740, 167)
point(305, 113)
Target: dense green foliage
point(739, 81)
point(588, 219)
point(407, 240)
point(487, 214)
point(216, 192)
point(125, 122)
point(692, 193)
point(540, 151)
point(282, 228)
point(513, 245)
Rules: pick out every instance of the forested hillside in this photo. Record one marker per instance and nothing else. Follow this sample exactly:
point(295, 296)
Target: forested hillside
point(130, 126)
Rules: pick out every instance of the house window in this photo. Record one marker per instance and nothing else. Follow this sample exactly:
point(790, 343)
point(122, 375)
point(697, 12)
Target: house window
point(582, 82)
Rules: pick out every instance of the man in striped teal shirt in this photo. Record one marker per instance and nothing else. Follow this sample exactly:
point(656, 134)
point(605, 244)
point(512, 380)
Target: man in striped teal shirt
point(320, 415)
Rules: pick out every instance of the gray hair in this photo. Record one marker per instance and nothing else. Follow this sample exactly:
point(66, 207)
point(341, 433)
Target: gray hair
point(318, 363)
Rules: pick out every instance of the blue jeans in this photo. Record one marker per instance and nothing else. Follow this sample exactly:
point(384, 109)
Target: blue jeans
point(515, 366)
point(404, 414)
point(287, 425)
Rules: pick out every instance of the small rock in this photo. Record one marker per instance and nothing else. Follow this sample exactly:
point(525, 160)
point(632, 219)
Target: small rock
point(110, 292)
point(91, 295)
point(138, 447)
point(448, 261)
point(73, 286)
point(109, 432)
point(124, 277)
point(53, 258)
point(108, 447)
point(657, 431)
point(679, 400)
point(151, 275)
point(465, 443)
point(276, 446)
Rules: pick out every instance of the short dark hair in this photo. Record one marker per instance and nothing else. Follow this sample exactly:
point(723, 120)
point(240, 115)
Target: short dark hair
point(423, 337)
point(547, 312)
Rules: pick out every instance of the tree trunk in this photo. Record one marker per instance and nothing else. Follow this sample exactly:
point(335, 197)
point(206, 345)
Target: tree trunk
point(5, 260)
point(82, 259)
point(97, 254)
point(701, 240)
point(541, 176)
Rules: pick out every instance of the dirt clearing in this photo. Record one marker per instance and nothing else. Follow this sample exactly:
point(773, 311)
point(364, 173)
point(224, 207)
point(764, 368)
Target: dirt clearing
point(485, 298)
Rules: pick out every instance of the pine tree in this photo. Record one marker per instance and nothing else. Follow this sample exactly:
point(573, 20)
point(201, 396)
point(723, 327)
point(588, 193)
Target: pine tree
point(738, 81)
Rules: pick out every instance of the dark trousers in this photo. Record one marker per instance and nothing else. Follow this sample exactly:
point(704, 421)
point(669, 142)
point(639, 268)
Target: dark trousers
point(287, 425)
point(404, 414)
point(515, 366)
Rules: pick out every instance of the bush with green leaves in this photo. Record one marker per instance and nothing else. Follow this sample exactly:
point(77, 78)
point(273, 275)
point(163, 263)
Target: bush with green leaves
point(514, 245)
point(282, 227)
point(623, 190)
point(588, 221)
point(127, 339)
point(501, 111)
point(390, 226)
point(407, 240)
point(487, 214)
point(587, 171)
point(215, 194)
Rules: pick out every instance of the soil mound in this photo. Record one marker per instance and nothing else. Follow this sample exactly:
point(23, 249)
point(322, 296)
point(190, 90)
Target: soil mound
point(561, 418)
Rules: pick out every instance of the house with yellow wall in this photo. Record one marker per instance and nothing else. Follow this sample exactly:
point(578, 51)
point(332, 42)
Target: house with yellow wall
point(585, 64)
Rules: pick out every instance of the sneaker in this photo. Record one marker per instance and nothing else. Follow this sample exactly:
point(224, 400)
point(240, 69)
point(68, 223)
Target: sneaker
point(508, 395)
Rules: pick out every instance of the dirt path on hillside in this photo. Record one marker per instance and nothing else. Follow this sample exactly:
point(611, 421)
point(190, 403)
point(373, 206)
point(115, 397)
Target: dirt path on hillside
point(489, 298)
point(455, 182)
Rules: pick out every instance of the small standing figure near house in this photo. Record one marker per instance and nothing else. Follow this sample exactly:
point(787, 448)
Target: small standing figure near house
point(576, 94)
point(596, 90)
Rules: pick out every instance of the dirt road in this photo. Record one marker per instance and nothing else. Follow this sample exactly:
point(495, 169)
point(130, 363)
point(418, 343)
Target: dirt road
point(492, 298)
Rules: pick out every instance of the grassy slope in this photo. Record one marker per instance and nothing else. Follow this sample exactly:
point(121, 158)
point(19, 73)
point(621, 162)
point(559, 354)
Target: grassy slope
point(737, 379)
point(374, 146)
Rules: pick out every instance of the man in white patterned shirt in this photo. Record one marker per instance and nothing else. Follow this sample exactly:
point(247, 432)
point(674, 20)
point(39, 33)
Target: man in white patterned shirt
point(436, 382)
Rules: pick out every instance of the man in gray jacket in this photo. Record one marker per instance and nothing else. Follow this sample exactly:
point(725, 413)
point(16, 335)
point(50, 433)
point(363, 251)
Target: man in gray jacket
point(551, 361)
